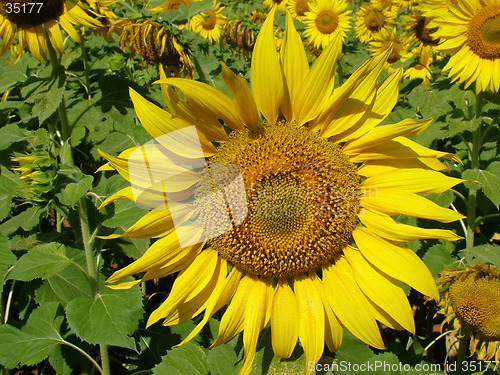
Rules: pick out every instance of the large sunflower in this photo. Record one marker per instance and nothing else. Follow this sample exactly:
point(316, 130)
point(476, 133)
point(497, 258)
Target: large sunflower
point(297, 209)
point(31, 22)
point(471, 303)
point(325, 20)
point(470, 31)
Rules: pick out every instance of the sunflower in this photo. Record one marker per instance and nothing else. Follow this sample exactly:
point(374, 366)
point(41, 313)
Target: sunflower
point(470, 32)
point(33, 21)
point(298, 8)
point(287, 219)
point(372, 19)
point(278, 4)
point(424, 58)
point(407, 4)
point(471, 303)
point(209, 23)
point(170, 5)
point(325, 20)
point(391, 40)
point(257, 17)
point(417, 27)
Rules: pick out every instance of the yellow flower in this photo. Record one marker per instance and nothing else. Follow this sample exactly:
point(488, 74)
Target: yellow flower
point(298, 8)
point(31, 22)
point(406, 4)
point(319, 180)
point(372, 19)
point(278, 4)
point(470, 33)
point(390, 40)
point(325, 20)
point(471, 300)
point(421, 69)
point(209, 23)
point(417, 27)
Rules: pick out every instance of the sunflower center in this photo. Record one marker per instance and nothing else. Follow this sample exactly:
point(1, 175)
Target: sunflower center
point(209, 19)
point(327, 21)
point(483, 35)
point(301, 7)
point(476, 301)
point(395, 55)
point(22, 12)
point(424, 34)
point(302, 195)
point(374, 20)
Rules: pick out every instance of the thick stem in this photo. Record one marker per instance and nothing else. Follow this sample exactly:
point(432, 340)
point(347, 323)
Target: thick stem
point(462, 347)
point(87, 244)
point(86, 67)
point(104, 359)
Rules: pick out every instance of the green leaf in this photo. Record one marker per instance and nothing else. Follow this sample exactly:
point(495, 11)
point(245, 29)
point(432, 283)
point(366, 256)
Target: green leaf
point(41, 262)
point(353, 350)
point(35, 341)
point(11, 133)
point(9, 181)
point(7, 257)
point(437, 259)
point(489, 179)
point(187, 359)
point(5, 205)
point(222, 359)
point(26, 220)
point(47, 98)
point(74, 191)
point(11, 74)
point(107, 319)
point(126, 213)
point(482, 254)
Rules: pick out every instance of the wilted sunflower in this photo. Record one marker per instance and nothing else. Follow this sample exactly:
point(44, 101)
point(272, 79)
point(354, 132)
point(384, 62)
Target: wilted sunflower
point(391, 40)
point(209, 23)
point(298, 8)
point(325, 20)
point(318, 248)
point(240, 34)
point(470, 32)
point(372, 19)
point(471, 300)
point(31, 22)
point(257, 17)
point(154, 44)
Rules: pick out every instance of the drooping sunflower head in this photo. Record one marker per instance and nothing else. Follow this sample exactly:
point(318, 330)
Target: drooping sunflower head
point(472, 299)
point(288, 218)
point(209, 23)
point(472, 34)
point(325, 20)
point(257, 17)
point(372, 19)
point(298, 8)
point(154, 44)
point(240, 34)
point(32, 22)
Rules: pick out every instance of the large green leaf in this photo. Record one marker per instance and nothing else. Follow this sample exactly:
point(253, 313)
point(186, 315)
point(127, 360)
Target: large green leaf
point(188, 359)
point(35, 341)
point(489, 179)
point(26, 220)
point(10, 134)
point(41, 262)
point(482, 254)
point(108, 318)
point(438, 258)
point(7, 257)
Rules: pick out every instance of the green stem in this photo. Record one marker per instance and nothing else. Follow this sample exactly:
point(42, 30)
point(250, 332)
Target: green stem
point(104, 359)
point(87, 244)
point(487, 217)
point(462, 347)
point(86, 355)
point(86, 67)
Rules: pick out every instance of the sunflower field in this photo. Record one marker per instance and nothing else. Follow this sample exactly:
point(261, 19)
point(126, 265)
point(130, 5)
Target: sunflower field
point(249, 187)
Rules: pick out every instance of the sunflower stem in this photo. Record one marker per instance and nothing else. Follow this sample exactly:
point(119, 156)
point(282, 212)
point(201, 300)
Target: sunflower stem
point(86, 67)
point(104, 359)
point(462, 347)
point(87, 244)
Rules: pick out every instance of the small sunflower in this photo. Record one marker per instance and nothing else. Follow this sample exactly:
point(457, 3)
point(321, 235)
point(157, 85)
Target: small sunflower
point(372, 19)
point(154, 44)
point(393, 40)
point(471, 300)
point(417, 27)
point(470, 32)
point(407, 4)
point(278, 4)
point(325, 20)
point(425, 57)
point(32, 22)
point(298, 8)
point(319, 179)
point(209, 23)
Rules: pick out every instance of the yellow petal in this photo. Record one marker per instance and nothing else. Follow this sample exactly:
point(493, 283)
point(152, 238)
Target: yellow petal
point(189, 283)
point(125, 193)
point(219, 297)
point(400, 202)
point(396, 260)
point(384, 133)
point(267, 77)
point(349, 304)
point(311, 317)
point(381, 289)
point(259, 301)
point(232, 321)
point(54, 33)
point(284, 318)
point(385, 99)
point(207, 99)
point(68, 27)
point(243, 100)
point(384, 226)
point(414, 180)
point(293, 60)
point(372, 168)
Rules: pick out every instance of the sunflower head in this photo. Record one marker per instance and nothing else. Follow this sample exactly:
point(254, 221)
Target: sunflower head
point(373, 19)
point(298, 8)
point(240, 34)
point(417, 26)
point(154, 44)
point(50, 10)
point(391, 40)
point(209, 23)
point(472, 297)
